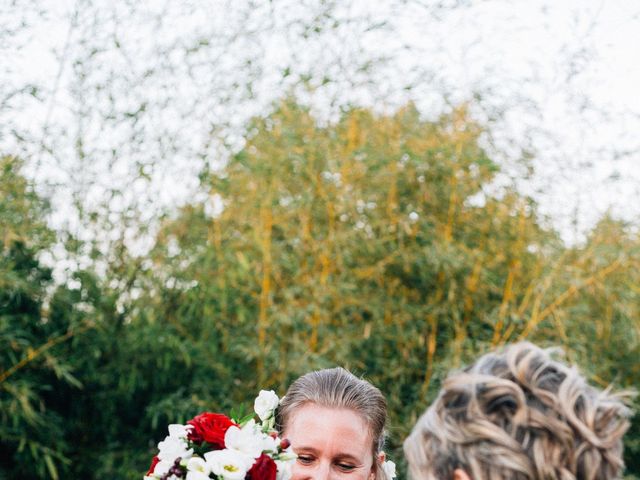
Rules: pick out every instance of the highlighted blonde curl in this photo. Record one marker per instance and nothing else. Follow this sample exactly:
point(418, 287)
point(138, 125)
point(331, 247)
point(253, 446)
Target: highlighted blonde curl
point(519, 414)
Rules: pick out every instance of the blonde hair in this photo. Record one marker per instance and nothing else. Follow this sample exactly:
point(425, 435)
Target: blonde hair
point(518, 414)
point(338, 388)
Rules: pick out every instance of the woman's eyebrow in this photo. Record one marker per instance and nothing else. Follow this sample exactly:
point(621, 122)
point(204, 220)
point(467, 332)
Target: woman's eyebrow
point(305, 448)
point(348, 456)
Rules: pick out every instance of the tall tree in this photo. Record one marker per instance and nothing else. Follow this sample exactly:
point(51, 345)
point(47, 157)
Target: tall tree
point(374, 242)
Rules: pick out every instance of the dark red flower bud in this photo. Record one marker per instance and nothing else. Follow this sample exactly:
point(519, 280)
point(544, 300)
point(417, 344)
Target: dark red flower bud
point(285, 443)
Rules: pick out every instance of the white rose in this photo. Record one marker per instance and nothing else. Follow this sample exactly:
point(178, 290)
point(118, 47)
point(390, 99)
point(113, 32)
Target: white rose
point(178, 431)
point(247, 440)
point(229, 464)
point(266, 402)
point(173, 447)
point(389, 469)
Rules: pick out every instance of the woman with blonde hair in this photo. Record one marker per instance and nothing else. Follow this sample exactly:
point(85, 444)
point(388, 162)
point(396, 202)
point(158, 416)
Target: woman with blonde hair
point(335, 423)
point(519, 414)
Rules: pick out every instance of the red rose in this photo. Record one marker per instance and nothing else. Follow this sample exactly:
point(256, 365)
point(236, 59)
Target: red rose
point(263, 469)
point(210, 428)
point(154, 462)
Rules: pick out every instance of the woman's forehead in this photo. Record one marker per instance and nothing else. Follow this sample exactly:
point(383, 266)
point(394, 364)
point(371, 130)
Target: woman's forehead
point(313, 423)
point(312, 411)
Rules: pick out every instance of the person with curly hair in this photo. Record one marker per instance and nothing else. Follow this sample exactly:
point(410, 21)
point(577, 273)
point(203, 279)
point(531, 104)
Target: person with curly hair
point(519, 414)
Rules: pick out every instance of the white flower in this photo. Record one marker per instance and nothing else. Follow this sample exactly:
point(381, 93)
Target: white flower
point(173, 447)
point(162, 468)
point(248, 440)
point(389, 469)
point(198, 476)
point(229, 464)
point(269, 444)
point(265, 404)
point(178, 431)
point(284, 469)
point(197, 469)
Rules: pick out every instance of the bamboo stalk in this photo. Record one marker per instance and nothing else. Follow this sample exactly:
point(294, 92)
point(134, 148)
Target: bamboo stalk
point(431, 350)
point(431, 340)
point(453, 198)
point(566, 295)
point(265, 288)
point(33, 354)
point(506, 298)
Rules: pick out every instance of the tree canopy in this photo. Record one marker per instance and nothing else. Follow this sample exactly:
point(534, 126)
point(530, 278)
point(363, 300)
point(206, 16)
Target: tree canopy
point(377, 242)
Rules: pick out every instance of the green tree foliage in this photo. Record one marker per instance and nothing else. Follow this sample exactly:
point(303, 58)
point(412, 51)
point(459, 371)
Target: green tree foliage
point(27, 429)
point(370, 242)
point(39, 325)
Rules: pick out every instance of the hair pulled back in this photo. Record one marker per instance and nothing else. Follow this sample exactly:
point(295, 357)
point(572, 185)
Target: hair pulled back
point(338, 388)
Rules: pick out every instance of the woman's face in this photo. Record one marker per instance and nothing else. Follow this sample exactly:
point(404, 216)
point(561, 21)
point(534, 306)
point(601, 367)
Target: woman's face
point(331, 443)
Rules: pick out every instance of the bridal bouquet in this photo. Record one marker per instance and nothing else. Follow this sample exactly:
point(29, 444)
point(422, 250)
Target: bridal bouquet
point(212, 445)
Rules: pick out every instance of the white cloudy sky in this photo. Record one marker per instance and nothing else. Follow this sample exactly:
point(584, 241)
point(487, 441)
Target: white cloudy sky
point(563, 73)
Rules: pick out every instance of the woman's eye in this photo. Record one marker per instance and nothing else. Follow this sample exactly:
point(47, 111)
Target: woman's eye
point(346, 467)
point(304, 459)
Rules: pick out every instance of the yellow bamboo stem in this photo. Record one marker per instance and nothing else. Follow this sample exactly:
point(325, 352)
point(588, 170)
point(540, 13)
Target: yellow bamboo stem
point(506, 298)
point(392, 195)
point(566, 295)
point(431, 350)
point(472, 287)
point(453, 198)
point(265, 287)
point(315, 322)
point(431, 340)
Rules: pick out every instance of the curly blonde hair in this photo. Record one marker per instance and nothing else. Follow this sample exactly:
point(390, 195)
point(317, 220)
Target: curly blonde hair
point(519, 414)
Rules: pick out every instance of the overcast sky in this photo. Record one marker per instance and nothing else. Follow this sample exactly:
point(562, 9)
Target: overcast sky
point(565, 73)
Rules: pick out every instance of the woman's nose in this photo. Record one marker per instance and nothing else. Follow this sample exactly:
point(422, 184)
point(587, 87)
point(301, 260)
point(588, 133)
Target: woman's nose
point(318, 471)
point(322, 472)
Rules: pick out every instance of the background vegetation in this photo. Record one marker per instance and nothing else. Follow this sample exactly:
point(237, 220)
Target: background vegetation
point(326, 219)
point(367, 243)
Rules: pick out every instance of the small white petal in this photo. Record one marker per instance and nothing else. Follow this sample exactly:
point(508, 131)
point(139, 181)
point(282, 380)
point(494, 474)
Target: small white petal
point(178, 431)
point(198, 476)
point(265, 404)
point(162, 467)
point(197, 464)
point(269, 444)
point(172, 447)
point(389, 469)
point(284, 469)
